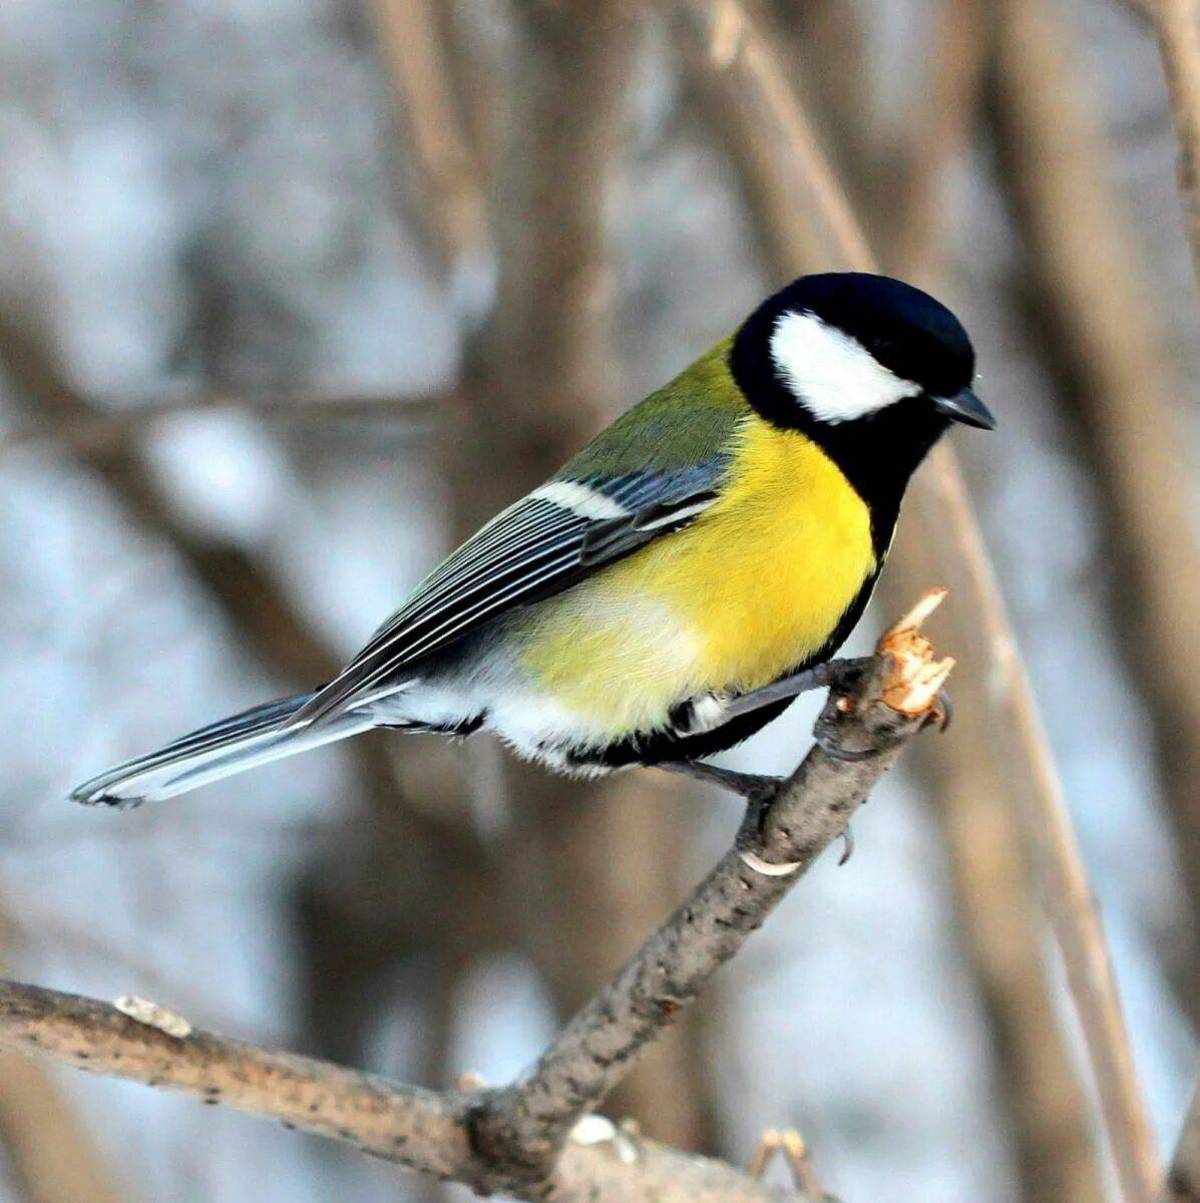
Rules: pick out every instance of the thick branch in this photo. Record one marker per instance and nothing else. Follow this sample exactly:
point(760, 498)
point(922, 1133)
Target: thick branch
point(418, 1128)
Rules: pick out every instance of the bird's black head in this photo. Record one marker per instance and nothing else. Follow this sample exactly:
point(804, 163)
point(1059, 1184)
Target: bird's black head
point(870, 368)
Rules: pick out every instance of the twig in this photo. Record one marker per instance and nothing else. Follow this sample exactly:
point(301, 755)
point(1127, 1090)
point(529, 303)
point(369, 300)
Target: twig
point(524, 1125)
point(940, 491)
point(519, 1137)
point(1177, 25)
point(1183, 1178)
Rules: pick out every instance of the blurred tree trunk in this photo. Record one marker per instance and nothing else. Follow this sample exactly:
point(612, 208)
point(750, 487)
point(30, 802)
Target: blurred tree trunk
point(593, 867)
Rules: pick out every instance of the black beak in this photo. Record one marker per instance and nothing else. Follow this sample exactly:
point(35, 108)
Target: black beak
point(967, 408)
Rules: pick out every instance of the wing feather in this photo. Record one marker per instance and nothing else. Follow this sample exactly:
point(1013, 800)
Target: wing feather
point(536, 548)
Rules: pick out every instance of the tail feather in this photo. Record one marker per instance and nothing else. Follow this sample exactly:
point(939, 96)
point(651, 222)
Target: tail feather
point(233, 744)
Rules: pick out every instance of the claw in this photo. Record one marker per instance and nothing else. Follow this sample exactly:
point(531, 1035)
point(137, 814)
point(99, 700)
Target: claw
point(848, 846)
point(824, 741)
point(941, 713)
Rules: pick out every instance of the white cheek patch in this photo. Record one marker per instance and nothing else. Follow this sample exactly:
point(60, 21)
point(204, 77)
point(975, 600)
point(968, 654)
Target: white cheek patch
point(831, 374)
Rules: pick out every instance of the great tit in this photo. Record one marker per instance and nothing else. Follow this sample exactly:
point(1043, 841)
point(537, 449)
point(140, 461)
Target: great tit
point(719, 538)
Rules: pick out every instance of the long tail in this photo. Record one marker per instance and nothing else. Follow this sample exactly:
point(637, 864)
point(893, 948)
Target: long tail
point(230, 746)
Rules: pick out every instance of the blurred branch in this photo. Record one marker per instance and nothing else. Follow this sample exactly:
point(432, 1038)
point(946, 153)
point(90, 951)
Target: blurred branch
point(1095, 297)
point(540, 380)
point(103, 427)
point(46, 1151)
point(940, 492)
point(453, 200)
point(942, 127)
point(775, 188)
point(1183, 1178)
point(1177, 25)
point(756, 99)
point(1066, 894)
point(519, 1137)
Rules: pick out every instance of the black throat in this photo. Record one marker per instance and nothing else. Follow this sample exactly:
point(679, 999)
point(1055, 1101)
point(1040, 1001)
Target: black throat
point(877, 454)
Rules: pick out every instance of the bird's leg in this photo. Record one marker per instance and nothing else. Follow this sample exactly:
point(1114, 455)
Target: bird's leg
point(838, 673)
point(759, 789)
point(745, 785)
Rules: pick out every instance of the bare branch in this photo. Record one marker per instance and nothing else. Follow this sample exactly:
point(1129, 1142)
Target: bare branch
point(1183, 1178)
point(942, 127)
point(940, 493)
point(757, 88)
point(519, 1137)
point(421, 1129)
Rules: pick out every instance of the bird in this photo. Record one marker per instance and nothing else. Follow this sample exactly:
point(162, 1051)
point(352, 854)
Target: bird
point(676, 584)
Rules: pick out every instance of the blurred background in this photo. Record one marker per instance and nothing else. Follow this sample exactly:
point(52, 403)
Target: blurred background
point(292, 294)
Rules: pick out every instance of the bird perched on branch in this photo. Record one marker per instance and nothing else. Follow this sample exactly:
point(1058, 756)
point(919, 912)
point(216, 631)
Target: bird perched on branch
point(677, 583)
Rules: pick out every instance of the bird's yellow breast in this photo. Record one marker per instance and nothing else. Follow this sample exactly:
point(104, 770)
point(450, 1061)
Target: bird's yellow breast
point(750, 590)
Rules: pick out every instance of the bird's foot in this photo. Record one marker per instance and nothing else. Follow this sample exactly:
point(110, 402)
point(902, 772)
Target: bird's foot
point(759, 790)
point(941, 714)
